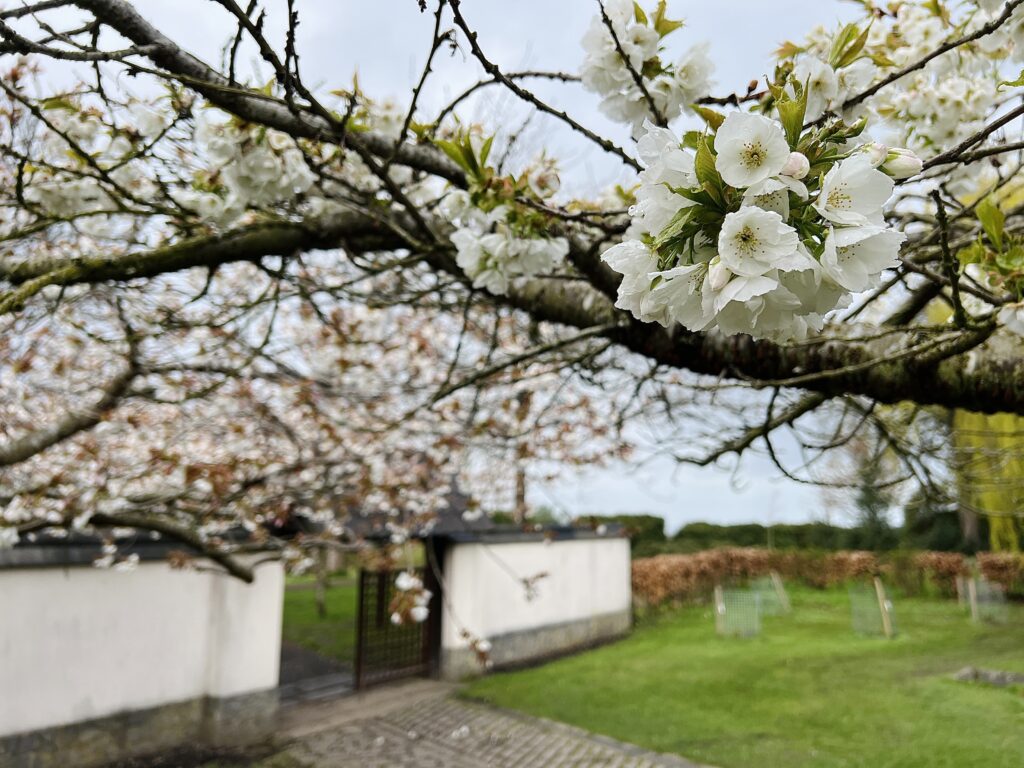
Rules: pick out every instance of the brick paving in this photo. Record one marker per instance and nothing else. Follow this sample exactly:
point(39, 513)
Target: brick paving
point(424, 728)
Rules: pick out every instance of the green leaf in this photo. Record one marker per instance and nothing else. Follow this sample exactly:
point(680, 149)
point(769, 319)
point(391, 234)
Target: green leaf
point(881, 60)
point(638, 12)
point(792, 112)
point(975, 253)
point(712, 117)
point(1013, 83)
point(454, 151)
point(699, 196)
point(58, 102)
point(852, 51)
point(652, 68)
point(692, 139)
point(788, 50)
point(707, 174)
point(662, 24)
point(844, 39)
point(992, 221)
point(1012, 261)
point(485, 151)
point(675, 227)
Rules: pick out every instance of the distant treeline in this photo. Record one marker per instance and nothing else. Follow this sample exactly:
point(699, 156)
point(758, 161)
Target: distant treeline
point(941, 533)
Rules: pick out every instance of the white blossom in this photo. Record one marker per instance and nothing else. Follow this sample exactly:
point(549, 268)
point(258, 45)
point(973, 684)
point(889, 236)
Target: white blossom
point(750, 148)
point(149, 122)
point(419, 613)
point(772, 194)
point(612, 75)
point(666, 165)
point(677, 297)
point(406, 581)
point(492, 256)
point(636, 263)
point(853, 192)
point(822, 84)
point(1010, 315)
point(754, 242)
point(855, 256)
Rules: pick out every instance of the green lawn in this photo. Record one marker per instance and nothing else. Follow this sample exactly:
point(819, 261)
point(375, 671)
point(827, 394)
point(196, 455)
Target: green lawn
point(334, 636)
point(807, 692)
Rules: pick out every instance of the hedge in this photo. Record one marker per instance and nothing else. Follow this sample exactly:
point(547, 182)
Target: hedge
point(670, 578)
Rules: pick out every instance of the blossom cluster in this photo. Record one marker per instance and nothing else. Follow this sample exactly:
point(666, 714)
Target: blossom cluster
point(498, 237)
point(411, 600)
point(248, 166)
point(931, 108)
point(83, 165)
point(757, 227)
point(491, 252)
point(627, 47)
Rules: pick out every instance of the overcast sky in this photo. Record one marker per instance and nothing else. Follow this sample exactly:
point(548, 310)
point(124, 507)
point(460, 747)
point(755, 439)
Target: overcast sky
point(385, 42)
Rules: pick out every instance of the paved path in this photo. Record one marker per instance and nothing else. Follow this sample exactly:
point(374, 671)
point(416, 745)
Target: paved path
point(421, 725)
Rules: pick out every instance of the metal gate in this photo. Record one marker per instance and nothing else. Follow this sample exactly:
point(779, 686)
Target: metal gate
point(384, 650)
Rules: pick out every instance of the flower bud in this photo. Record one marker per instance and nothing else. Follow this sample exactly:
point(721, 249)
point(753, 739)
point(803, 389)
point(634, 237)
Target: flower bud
point(718, 274)
point(902, 163)
point(876, 152)
point(278, 140)
point(797, 166)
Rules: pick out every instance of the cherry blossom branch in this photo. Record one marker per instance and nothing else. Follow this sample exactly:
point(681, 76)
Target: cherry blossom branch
point(251, 105)
point(987, 29)
point(493, 70)
point(955, 155)
point(74, 421)
point(163, 525)
point(638, 78)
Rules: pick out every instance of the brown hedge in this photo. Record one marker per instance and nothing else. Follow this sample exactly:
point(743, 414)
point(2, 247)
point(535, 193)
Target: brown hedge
point(666, 578)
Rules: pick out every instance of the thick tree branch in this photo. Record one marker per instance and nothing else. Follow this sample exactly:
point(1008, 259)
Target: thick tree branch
point(865, 363)
point(251, 243)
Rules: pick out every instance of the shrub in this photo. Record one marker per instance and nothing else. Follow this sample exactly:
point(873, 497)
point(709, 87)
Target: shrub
point(1005, 568)
point(641, 529)
point(942, 568)
point(683, 577)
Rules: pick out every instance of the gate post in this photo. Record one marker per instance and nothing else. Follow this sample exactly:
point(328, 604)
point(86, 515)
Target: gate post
point(360, 658)
point(434, 549)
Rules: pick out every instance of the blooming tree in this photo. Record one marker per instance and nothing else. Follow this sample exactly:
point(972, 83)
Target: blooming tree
point(225, 301)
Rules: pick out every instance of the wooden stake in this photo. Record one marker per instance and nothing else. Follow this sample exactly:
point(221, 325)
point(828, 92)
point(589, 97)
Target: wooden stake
point(719, 609)
point(780, 590)
point(883, 607)
point(960, 589)
point(972, 595)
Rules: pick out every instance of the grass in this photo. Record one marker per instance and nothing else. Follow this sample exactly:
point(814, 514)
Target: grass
point(333, 636)
point(806, 693)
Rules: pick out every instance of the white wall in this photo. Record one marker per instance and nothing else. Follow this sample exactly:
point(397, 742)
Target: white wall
point(586, 578)
point(78, 643)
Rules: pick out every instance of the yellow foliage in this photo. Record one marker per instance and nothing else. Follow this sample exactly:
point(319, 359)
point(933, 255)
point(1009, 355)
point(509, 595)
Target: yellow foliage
point(989, 452)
